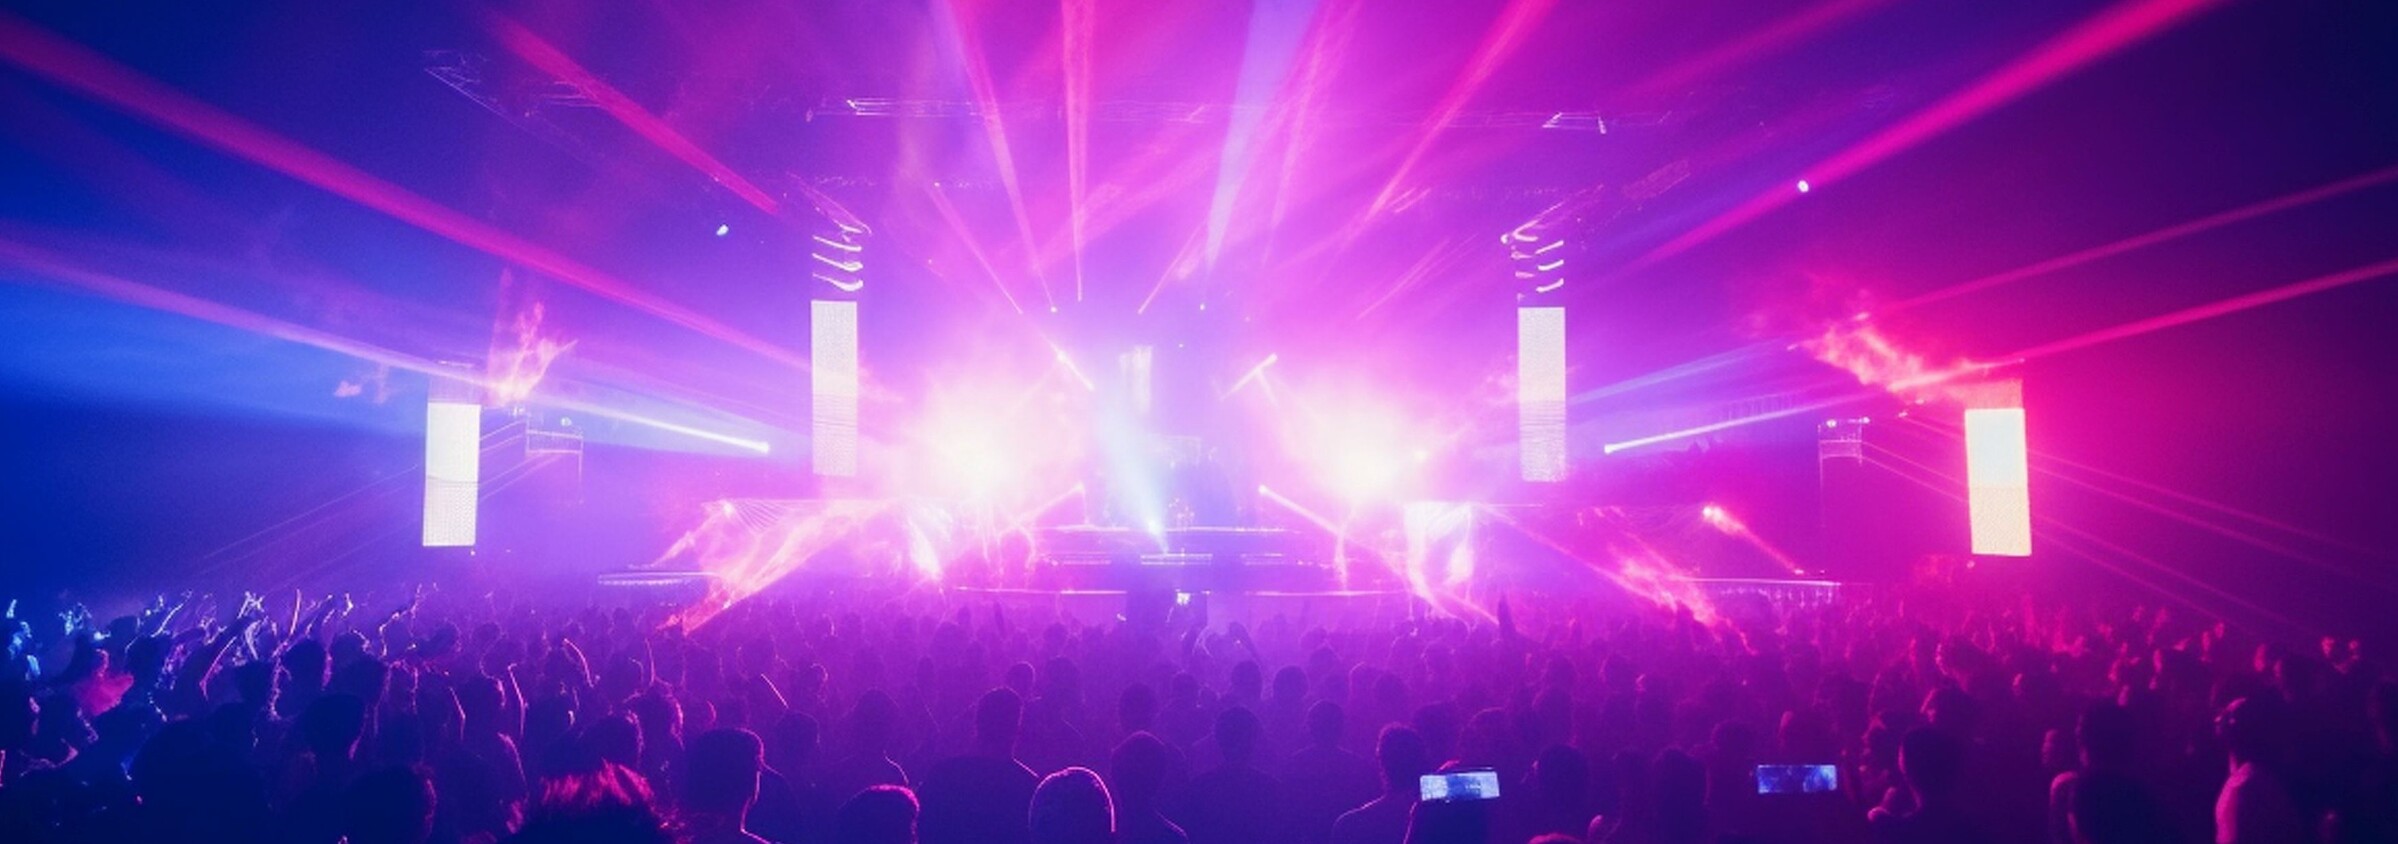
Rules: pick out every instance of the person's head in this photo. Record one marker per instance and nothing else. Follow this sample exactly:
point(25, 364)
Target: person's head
point(1236, 734)
point(1404, 759)
point(332, 725)
point(605, 803)
point(390, 806)
point(1248, 681)
point(1436, 724)
point(884, 814)
point(720, 772)
point(997, 716)
point(1136, 708)
point(661, 718)
point(1290, 685)
point(304, 664)
point(2108, 736)
point(1561, 774)
point(792, 742)
point(1324, 723)
point(2250, 727)
point(1139, 766)
point(615, 738)
point(1950, 709)
point(1072, 807)
point(1678, 795)
point(870, 724)
point(481, 699)
point(1932, 761)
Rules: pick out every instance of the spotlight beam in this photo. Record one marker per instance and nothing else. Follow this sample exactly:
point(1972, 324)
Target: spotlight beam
point(2086, 43)
point(1253, 374)
point(1756, 44)
point(546, 57)
point(2212, 310)
point(957, 225)
point(949, 15)
point(2053, 527)
point(1274, 34)
point(2049, 465)
point(1078, 28)
point(1656, 592)
point(1676, 372)
point(2109, 250)
point(1729, 424)
point(157, 299)
point(1515, 20)
point(85, 71)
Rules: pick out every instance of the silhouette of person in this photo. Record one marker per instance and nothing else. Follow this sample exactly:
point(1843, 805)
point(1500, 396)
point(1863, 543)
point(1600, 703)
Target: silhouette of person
point(883, 814)
point(1139, 767)
point(981, 797)
point(720, 784)
point(1933, 762)
point(1235, 803)
point(607, 803)
point(1072, 807)
point(1404, 760)
point(867, 735)
point(1324, 779)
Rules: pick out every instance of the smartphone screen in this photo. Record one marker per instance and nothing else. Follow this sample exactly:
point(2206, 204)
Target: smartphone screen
point(1797, 779)
point(1460, 785)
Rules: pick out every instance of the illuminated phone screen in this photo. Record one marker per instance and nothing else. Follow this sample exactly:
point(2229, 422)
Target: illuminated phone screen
point(1797, 779)
point(1460, 785)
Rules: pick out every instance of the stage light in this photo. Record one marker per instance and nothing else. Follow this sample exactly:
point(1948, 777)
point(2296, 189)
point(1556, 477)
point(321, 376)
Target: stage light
point(1136, 368)
point(833, 386)
point(1254, 372)
point(1715, 515)
point(1998, 471)
point(1803, 186)
point(722, 230)
point(453, 462)
point(1541, 393)
point(983, 467)
point(1358, 471)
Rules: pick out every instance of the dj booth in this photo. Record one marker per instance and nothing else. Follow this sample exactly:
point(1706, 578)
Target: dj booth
point(1217, 559)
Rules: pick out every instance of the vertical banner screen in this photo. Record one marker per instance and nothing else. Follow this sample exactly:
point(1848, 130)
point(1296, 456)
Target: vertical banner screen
point(1540, 392)
point(453, 472)
point(1998, 481)
point(833, 382)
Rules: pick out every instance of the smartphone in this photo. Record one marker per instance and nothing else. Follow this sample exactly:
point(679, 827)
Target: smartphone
point(1797, 779)
point(1456, 786)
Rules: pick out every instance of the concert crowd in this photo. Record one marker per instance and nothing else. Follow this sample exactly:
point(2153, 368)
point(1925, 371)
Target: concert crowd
point(861, 717)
